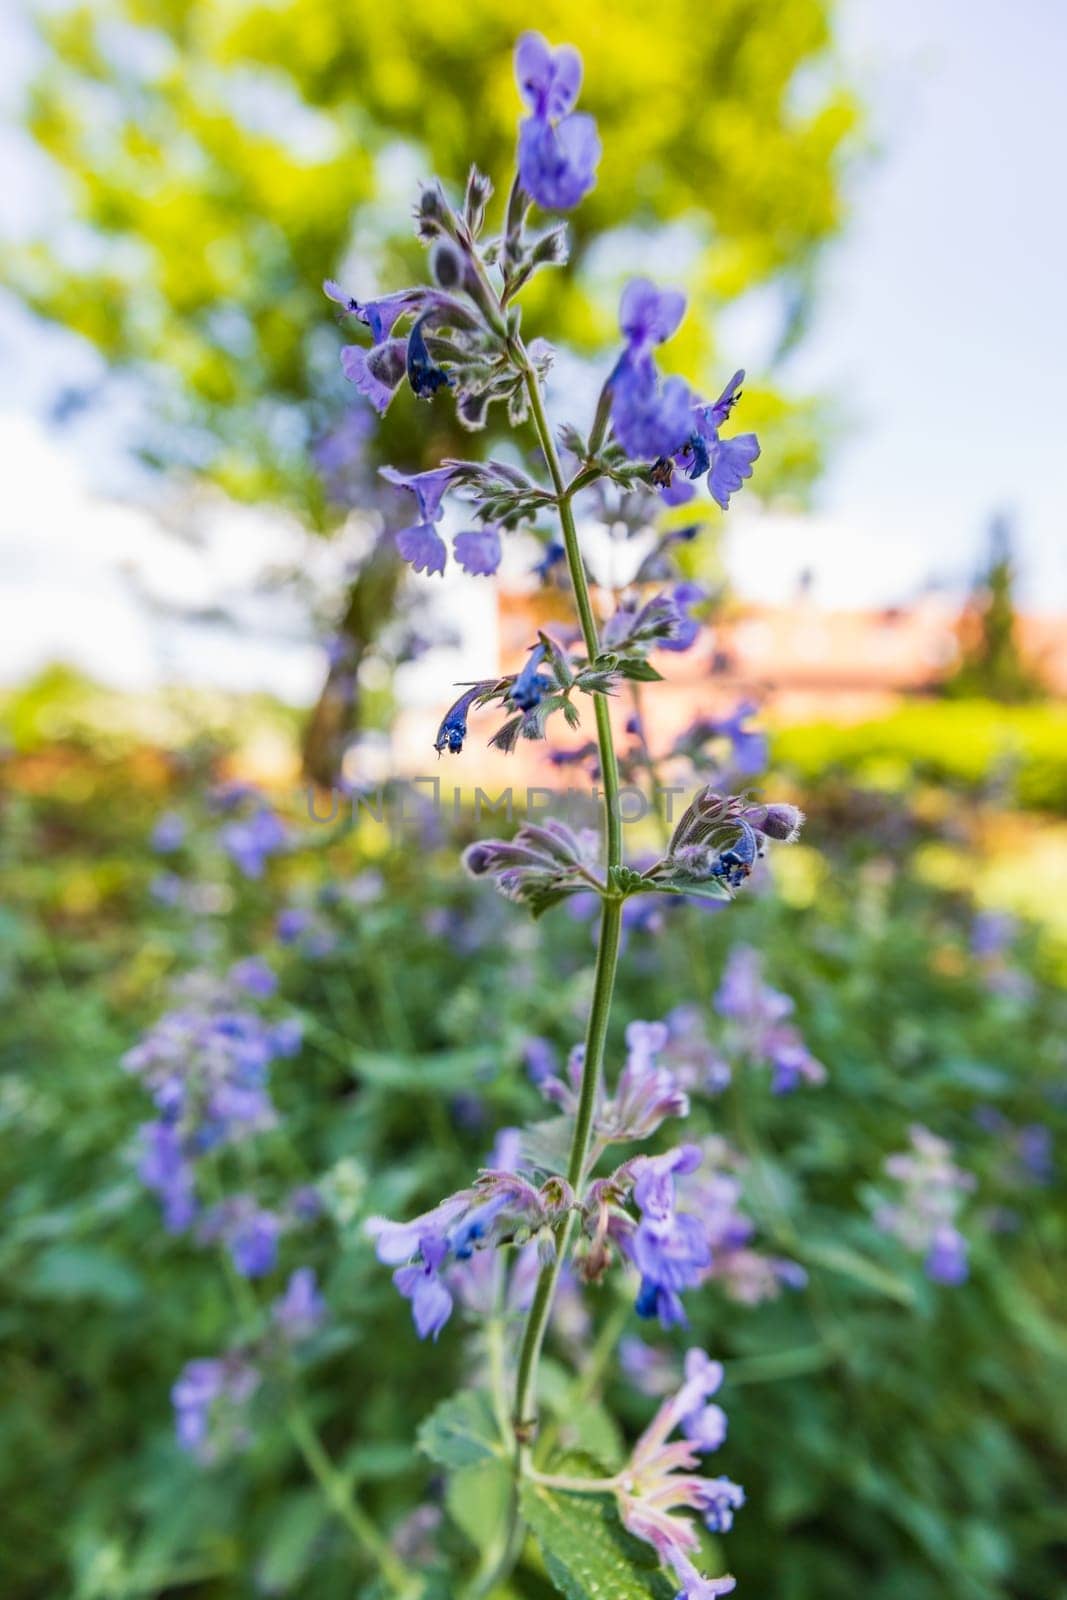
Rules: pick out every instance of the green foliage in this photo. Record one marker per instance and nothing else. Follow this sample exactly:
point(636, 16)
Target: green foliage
point(462, 1431)
point(587, 1552)
point(973, 745)
point(894, 1439)
point(220, 161)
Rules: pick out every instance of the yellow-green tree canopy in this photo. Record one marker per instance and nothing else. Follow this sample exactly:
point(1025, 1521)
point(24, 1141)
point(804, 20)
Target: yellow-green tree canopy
point(223, 156)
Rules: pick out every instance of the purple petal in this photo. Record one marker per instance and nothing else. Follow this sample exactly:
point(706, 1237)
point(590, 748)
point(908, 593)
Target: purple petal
point(731, 464)
point(648, 315)
point(374, 378)
point(478, 551)
point(429, 488)
point(423, 547)
point(549, 80)
point(557, 165)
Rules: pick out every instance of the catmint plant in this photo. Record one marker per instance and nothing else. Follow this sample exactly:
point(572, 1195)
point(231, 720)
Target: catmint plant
point(576, 1199)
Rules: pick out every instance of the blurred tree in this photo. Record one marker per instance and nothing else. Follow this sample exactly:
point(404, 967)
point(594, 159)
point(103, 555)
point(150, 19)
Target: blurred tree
point(221, 159)
point(991, 664)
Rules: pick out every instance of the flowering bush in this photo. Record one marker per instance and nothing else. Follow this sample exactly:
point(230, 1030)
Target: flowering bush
point(292, 1095)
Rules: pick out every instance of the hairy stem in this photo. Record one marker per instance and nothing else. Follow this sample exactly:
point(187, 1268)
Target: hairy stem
point(607, 947)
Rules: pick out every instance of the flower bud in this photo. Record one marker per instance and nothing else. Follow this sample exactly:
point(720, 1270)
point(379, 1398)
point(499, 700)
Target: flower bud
point(779, 821)
point(447, 265)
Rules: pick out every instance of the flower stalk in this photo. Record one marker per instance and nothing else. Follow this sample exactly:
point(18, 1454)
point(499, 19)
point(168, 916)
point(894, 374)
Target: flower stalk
point(525, 1419)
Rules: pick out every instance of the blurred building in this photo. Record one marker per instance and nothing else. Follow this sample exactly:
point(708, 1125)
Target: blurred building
point(796, 662)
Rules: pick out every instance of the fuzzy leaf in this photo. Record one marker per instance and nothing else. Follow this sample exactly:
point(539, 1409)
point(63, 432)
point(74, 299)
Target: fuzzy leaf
point(639, 670)
point(462, 1431)
point(588, 1553)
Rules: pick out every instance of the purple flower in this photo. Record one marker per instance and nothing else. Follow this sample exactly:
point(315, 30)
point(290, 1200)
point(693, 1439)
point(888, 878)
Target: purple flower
point(694, 1585)
point(301, 1309)
point(453, 730)
point(668, 1248)
point(251, 842)
point(647, 1093)
point(423, 548)
point(539, 1059)
point(169, 833)
point(429, 488)
point(286, 1037)
point(651, 1371)
point(164, 1169)
point(924, 1217)
point(946, 1259)
point(660, 1479)
point(379, 315)
point(731, 462)
point(377, 373)
point(651, 419)
point(478, 551)
point(424, 377)
point(255, 977)
point(431, 1302)
point(648, 316)
point(209, 1397)
point(291, 923)
point(558, 148)
point(421, 544)
point(687, 631)
point(253, 1242)
point(530, 685)
point(549, 80)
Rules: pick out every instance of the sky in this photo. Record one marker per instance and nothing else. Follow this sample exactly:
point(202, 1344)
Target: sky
point(940, 336)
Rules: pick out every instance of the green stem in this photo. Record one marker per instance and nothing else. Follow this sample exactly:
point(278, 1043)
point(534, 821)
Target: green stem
point(607, 948)
point(341, 1502)
point(555, 1480)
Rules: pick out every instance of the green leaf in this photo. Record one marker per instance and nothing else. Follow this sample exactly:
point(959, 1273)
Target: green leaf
point(462, 1431)
point(639, 670)
point(850, 1264)
point(295, 1525)
point(700, 889)
point(478, 1498)
point(588, 1553)
point(84, 1272)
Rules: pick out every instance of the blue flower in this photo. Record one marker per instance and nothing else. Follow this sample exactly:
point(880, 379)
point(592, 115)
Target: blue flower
point(163, 1168)
point(731, 465)
point(255, 977)
point(558, 148)
point(421, 544)
point(380, 316)
point(301, 1309)
point(478, 551)
point(687, 631)
point(669, 1248)
point(169, 833)
point(946, 1259)
point(719, 1500)
point(209, 1398)
point(431, 1302)
point(649, 316)
point(377, 373)
point(530, 686)
point(423, 548)
point(424, 377)
point(554, 555)
point(251, 842)
point(453, 729)
point(253, 1242)
point(651, 419)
